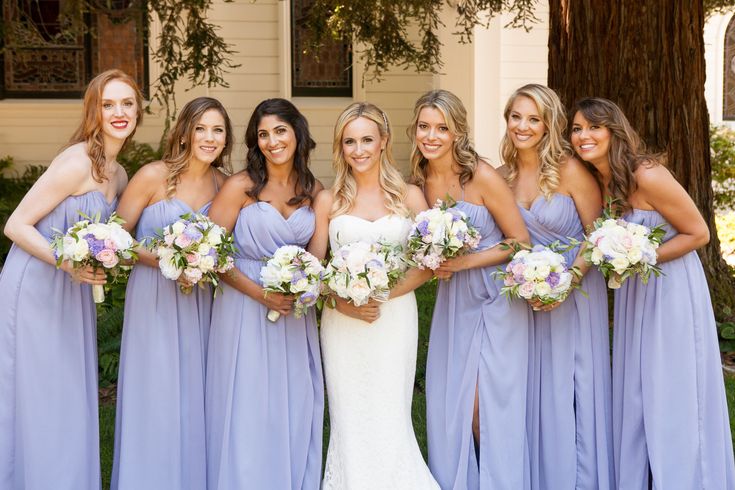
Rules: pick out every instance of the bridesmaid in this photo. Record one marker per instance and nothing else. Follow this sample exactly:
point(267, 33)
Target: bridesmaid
point(670, 419)
point(569, 421)
point(265, 393)
point(159, 430)
point(49, 435)
point(478, 350)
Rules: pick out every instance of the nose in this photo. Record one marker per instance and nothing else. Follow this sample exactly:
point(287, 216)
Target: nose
point(432, 133)
point(272, 140)
point(118, 109)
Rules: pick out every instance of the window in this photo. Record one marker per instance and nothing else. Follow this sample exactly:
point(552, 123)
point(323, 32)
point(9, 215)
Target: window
point(328, 76)
point(728, 92)
point(41, 60)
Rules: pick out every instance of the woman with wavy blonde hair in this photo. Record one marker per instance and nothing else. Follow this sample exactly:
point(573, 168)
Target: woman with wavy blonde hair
point(49, 436)
point(476, 367)
point(369, 352)
point(569, 367)
point(165, 333)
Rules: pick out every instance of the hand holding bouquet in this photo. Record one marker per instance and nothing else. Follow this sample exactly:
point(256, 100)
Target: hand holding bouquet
point(99, 245)
point(539, 275)
point(359, 271)
point(194, 250)
point(621, 249)
point(440, 233)
point(293, 270)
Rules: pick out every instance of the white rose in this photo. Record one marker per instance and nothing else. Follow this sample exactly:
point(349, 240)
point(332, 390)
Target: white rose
point(206, 263)
point(596, 256)
point(359, 291)
point(99, 230)
point(635, 255)
point(178, 228)
point(543, 289)
point(169, 269)
point(193, 275)
point(121, 238)
point(214, 238)
point(543, 271)
point(620, 264)
point(204, 248)
point(80, 250)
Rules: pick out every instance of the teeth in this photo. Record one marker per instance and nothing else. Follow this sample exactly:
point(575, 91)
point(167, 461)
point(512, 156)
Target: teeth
point(120, 124)
point(523, 137)
point(587, 146)
point(279, 150)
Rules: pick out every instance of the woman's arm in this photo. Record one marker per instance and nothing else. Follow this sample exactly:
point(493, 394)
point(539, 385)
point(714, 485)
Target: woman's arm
point(660, 190)
point(499, 201)
point(587, 197)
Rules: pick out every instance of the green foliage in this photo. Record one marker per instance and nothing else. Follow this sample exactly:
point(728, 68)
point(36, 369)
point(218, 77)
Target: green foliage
point(722, 151)
point(726, 233)
point(713, 7)
point(135, 155)
point(404, 32)
point(109, 331)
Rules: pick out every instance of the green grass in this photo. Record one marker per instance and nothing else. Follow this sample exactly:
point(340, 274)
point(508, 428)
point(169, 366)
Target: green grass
point(425, 296)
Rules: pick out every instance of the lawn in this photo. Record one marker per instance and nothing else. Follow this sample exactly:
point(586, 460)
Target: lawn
point(425, 296)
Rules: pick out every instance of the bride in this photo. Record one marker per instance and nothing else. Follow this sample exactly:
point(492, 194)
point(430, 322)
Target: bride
point(369, 352)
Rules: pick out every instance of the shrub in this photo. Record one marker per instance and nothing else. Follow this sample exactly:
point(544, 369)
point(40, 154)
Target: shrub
point(722, 151)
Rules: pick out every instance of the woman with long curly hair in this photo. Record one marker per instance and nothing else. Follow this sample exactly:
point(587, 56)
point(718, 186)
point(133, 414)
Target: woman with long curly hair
point(669, 411)
point(159, 429)
point(49, 435)
point(569, 423)
point(369, 351)
point(478, 348)
point(265, 395)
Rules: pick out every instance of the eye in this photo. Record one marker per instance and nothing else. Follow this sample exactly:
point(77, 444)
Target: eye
point(594, 126)
point(443, 129)
point(128, 103)
point(280, 130)
point(576, 129)
point(348, 141)
point(515, 117)
point(219, 130)
point(535, 120)
point(262, 135)
point(199, 128)
point(368, 139)
point(422, 126)
point(106, 105)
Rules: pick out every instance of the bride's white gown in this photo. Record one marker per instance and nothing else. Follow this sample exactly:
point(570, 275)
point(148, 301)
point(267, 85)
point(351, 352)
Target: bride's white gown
point(369, 371)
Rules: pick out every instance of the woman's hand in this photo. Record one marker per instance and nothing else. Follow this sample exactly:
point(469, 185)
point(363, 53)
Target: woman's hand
point(282, 303)
point(450, 266)
point(368, 312)
point(87, 274)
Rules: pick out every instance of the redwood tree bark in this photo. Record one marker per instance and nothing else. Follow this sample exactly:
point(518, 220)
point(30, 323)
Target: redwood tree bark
point(648, 57)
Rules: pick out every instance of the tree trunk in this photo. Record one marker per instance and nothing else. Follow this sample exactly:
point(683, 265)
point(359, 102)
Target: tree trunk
point(647, 56)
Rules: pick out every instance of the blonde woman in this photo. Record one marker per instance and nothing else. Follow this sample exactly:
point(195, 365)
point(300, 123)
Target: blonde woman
point(49, 436)
point(159, 430)
point(369, 352)
point(569, 391)
point(478, 350)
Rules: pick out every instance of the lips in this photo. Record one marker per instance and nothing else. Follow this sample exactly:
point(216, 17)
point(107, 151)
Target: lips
point(522, 137)
point(119, 124)
point(208, 149)
point(430, 147)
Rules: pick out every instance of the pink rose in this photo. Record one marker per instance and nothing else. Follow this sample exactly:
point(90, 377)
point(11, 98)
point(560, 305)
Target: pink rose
point(193, 259)
point(182, 241)
point(192, 275)
point(432, 261)
point(107, 257)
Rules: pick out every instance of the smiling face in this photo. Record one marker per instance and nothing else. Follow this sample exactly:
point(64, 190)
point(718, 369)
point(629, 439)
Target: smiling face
point(362, 145)
point(208, 137)
point(590, 141)
point(525, 127)
point(119, 110)
point(276, 140)
point(433, 137)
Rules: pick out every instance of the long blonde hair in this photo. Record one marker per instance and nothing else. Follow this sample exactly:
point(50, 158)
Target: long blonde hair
point(455, 116)
point(90, 129)
point(390, 179)
point(178, 149)
point(552, 150)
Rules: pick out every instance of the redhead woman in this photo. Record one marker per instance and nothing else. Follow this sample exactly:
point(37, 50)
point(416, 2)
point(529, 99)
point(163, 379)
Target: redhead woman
point(49, 435)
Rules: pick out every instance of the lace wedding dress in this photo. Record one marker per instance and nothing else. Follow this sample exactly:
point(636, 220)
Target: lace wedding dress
point(369, 370)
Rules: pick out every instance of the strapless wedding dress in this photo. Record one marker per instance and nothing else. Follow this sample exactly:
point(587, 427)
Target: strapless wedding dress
point(369, 370)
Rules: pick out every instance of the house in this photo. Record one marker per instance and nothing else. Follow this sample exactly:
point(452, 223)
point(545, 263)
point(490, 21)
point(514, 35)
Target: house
point(37, 114)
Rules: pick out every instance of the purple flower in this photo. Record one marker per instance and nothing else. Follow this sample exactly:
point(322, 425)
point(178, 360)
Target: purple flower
point(553, 279)
point(423, 228)
point(307, 299)
point(297, 276)
point(95, 245)
point(193, 233)
point(456, 214)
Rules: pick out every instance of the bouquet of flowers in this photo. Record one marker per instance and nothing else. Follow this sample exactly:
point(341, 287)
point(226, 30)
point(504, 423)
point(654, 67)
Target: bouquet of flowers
point(193, 250)
point(621, 249)
point(440, 233)
point(537, 274)
point(101, 245)
point(360, 271)
point(293, 270)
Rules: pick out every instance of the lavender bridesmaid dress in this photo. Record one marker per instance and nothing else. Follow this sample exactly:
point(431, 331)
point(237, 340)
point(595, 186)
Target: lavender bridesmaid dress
point(669, 406)
point(159, 427)
point(478, 338)
point(569, 405)
point(265, 393)
point(49, 435)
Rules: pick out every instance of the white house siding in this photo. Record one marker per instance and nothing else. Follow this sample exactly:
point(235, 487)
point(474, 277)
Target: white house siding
point(483, 74)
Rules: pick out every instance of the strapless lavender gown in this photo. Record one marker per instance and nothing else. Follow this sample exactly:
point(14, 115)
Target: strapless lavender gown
point(159, 428)
point(265, 392)
point(480, 338)
point(669, 405)
point(49, 436)
point(569, 392)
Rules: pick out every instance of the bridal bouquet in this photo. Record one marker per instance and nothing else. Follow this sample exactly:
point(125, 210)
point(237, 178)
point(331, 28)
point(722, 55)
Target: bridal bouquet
point(440, 233)
point(537, 274)
point(101, 245)
point(193, 251)
point(621, 249)
point(362, 271)
point(293, 270)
